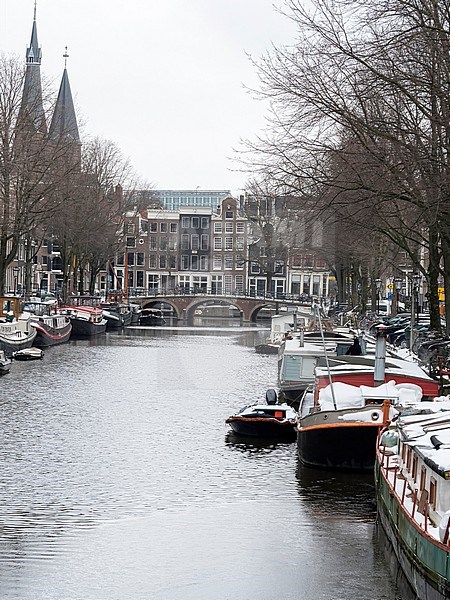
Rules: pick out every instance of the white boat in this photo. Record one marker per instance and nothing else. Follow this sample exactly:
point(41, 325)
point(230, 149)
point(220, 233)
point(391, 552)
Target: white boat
point(16, 330)
point(29, 354)
point(412, 476)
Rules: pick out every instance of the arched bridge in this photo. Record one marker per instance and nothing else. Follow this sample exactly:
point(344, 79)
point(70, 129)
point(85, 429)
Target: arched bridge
point(185, 304)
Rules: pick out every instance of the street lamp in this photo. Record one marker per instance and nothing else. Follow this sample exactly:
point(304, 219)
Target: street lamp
point(378, 284)
point(16, 275)
point(416, 286)
point(398, 282)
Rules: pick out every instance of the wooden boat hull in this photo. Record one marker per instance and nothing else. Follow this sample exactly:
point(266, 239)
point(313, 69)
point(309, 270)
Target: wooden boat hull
point(262, 427)
point(332, 440)
point(424, 561)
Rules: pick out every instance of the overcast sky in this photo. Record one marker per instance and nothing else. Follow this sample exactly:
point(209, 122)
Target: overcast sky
point(164, 79)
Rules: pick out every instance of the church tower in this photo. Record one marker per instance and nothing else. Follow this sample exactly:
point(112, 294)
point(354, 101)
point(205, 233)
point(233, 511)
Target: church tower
point(64, 127)
point(32, 106)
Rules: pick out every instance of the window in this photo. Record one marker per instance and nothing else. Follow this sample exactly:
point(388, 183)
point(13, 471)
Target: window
point(228, 262)
point(203, 263)
point(254, 268)
point(262, 251)
point(153, 227)
point(172, 242)
point(217, 262)
point(408, 458)
point(228, 227)
point(433, 493)
point(163, 243)
point(217, 227)
point(239, 284)
point(195, 241)
point(239, 243)
point(131, 242)
point(139, 279)
point(205, 241)
point(240, 263)
point(228, 243)
point(185, 241)
point(162, 261)
point(173, 227)
point(205, 222)
point(130, 258)
point(185, 222)
point(229, 214)
point(195, 222)
point(139, 258)
point(152, 261)
point(423, 478)
point(217, 243)
point(172, 262)
point(185, 262)
point(194, 262)
point(414, 467)
point(130, 227)
point(240, 227)
point(163, 227)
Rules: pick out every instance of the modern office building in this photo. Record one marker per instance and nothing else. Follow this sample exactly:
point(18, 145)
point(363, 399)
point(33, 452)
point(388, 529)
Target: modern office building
point(176, 199)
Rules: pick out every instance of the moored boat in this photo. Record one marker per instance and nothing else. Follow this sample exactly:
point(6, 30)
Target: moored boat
point(16, 331)
point(265, 420)
point(29, 354)
point(85, 315)
point(353, 397)
point(5, 363)
point(412, 478)
point(51, 326)
point(151, 317)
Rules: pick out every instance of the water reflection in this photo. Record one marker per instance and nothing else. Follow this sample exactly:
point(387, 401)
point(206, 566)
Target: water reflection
point(336, 494)
point(247, 445)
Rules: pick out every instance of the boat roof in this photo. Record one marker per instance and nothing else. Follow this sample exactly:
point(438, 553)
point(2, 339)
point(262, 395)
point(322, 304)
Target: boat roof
point(366, 363)
point(429, 434)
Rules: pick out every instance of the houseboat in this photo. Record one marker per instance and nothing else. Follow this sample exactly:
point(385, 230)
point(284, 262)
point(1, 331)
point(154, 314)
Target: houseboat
point(412, 478)
point(16, 331)
point(85, 315)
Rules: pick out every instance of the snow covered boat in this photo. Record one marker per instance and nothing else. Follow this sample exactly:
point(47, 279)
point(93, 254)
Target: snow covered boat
point(412, 477)
point(265, 420)
point(16, 331)
point(85, 315)
point(352, 398)
point(29, 354)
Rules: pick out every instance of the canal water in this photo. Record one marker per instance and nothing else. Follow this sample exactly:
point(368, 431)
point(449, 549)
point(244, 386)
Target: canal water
point(121, 481)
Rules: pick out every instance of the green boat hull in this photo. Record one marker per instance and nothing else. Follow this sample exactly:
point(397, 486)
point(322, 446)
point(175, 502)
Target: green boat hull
point(425, 563)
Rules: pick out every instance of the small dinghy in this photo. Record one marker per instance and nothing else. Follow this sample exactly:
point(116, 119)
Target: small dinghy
point(28, 354)
point(265, 420)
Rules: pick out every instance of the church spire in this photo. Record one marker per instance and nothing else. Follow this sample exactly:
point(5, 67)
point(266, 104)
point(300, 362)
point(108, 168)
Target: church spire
point(32, 89)
point(64, 120)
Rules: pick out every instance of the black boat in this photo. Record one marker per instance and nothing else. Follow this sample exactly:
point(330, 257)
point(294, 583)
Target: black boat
point(265, 420)
point(151, 316)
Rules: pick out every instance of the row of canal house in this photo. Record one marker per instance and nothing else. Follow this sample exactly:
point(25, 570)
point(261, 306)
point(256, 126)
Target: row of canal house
point(201, 249)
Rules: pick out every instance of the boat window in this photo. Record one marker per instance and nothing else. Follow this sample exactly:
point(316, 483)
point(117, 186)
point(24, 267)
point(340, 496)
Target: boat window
point(408, 458)
point(414, 468)
point(433, 493)
point(308, 367)
point(292, 367)
point(423, 478)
